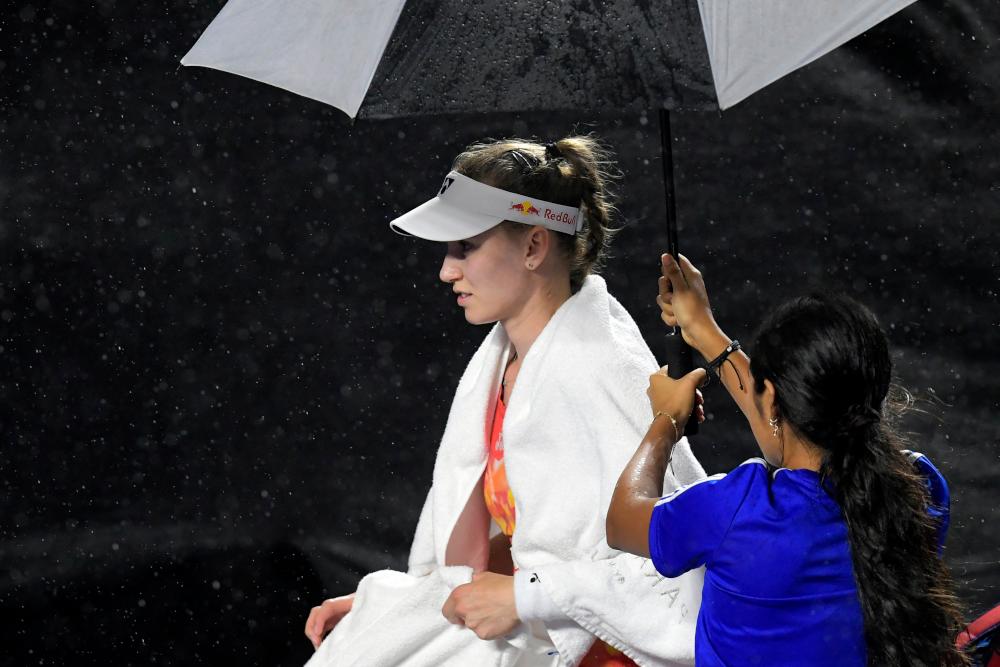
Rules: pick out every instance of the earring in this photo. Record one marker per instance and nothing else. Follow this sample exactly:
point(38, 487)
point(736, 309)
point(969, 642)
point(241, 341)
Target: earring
point(531, 267)
point(773, 422)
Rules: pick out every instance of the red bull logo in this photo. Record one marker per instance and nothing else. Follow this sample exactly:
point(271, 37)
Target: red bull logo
point(563, 217)
point(525, 208)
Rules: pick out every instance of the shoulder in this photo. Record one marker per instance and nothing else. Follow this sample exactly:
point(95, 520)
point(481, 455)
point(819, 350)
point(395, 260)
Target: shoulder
point(597, 316)
point(626, 348)
point(688, 526)
point(598, 330)
point(731, 488)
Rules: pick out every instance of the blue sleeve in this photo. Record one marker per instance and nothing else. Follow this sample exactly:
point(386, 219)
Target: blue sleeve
point(937, 489)
point(688, 525)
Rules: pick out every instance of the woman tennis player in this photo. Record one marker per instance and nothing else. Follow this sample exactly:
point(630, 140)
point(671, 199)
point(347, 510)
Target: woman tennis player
point(509, 564)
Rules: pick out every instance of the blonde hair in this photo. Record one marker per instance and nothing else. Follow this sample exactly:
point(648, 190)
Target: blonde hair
point(573, 171)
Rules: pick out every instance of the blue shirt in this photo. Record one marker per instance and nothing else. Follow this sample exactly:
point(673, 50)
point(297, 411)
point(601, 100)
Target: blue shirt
point(779, 583)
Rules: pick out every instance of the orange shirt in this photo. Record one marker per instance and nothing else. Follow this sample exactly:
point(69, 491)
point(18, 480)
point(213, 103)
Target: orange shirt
point(500, 504)
point(499, 497)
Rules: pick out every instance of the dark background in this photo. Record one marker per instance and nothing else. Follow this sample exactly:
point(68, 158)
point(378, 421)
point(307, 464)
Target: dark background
point(222, 379)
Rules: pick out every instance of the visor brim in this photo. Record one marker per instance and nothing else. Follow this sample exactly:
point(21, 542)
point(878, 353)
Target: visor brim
point(436, 220)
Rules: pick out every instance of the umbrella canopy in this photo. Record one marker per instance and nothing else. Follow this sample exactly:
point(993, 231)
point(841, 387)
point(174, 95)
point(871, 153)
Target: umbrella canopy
point(393, 58)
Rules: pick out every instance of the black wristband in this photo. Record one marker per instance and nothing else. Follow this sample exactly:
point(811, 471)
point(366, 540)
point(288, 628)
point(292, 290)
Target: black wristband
point(716, 364)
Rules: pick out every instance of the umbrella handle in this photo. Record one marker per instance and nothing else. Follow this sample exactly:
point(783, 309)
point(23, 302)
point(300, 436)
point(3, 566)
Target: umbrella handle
point(680, 362)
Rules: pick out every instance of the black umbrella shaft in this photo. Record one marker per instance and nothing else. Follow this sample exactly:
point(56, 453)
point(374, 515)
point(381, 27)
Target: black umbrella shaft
point(677, 353)
point(667, 152)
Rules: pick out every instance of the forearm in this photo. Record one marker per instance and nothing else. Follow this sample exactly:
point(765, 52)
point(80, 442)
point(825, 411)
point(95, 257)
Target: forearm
point(735, 376)
point(639, 488)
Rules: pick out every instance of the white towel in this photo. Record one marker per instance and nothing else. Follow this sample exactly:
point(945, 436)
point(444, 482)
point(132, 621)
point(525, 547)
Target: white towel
point(575, 417)
point(397, 620)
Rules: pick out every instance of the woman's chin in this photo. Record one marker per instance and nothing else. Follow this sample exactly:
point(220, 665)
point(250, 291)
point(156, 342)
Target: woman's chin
point(472, 317)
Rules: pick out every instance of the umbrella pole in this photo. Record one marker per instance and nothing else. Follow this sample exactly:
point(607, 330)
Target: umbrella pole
point(667, 155)
point(677, 353)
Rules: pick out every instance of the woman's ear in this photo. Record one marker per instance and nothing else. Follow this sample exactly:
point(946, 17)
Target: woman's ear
point(538, 243)
point(768, 401)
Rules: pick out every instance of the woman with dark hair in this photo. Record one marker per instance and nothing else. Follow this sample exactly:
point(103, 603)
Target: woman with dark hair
point(509, 564)
point(827, 550)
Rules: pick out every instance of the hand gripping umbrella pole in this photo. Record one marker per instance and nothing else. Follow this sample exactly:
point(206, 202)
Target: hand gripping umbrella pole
point(676, 353)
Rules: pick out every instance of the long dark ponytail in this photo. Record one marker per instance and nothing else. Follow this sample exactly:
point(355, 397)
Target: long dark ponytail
point(829, 361)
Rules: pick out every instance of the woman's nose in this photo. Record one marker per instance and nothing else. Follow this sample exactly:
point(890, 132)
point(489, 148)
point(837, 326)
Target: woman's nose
point(450, 273)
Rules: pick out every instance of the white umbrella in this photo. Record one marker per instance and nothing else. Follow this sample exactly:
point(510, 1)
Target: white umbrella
point(330, 50)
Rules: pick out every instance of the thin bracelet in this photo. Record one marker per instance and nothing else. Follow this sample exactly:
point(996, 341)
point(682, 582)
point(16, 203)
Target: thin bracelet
point(673, 422)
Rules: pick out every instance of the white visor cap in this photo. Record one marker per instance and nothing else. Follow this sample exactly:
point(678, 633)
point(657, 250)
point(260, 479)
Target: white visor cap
point(464, 207)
